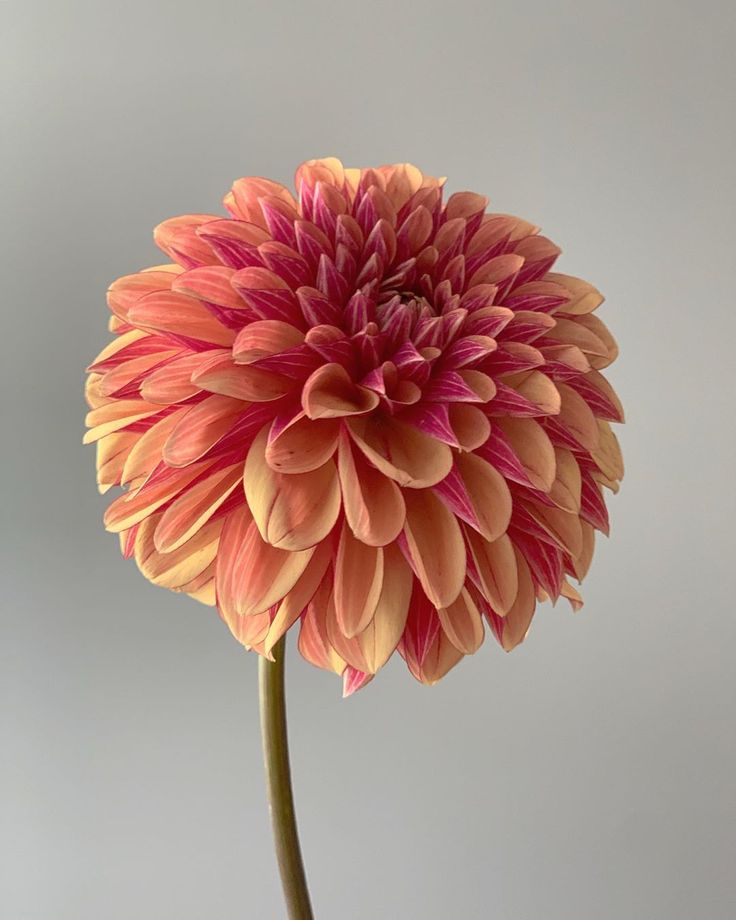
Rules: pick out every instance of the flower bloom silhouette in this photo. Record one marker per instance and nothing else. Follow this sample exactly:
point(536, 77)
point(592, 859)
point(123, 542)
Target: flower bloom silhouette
point(363, 408)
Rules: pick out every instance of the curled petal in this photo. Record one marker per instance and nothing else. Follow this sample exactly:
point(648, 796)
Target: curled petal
point(401, 452)
point(330, 393)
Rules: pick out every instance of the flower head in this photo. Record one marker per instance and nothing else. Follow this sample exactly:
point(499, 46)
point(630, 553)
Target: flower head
point(364, 407)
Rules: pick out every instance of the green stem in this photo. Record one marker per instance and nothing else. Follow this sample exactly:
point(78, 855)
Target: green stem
point(278, 782)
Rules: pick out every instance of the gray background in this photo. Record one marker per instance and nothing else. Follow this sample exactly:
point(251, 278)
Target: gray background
point(588, 775)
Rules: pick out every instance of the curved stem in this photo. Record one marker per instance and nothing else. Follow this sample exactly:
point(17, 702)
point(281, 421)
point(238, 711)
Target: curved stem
point(278, 782)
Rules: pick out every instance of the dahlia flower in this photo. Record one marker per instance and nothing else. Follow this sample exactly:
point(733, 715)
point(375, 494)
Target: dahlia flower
point(362, 407)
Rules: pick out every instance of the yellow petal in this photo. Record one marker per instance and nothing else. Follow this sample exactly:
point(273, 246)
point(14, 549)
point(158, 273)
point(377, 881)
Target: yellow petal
point(462, 623)
point(200, 428)
point(566, 488)
point(193, 508)
point(147, 453)
point(374, 506)
point(358, 581)
point(470, 424)
point(292, 606)
point(265, 337)
point(266, 574)
point(436, 547)
point(401, 452)
point(178, 568)
point(112, 416)
point(532, 446)
point(495, 563)
point(607, 454)
point(577, 417)
point(303, 445)
point(379, 639)
point(519, 616)
point(562, 526)
point(293, 511)
point(133, 507)
point(488, 493)
point(330, 393)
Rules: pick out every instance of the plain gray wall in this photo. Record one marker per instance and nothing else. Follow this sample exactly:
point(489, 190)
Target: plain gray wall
point(588, 775)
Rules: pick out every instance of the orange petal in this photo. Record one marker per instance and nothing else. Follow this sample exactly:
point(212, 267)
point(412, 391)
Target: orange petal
point(358, 581)
point(574, 332)
point(585, 557)
point(470, 425)
point(303, 445)
point(202, 588)
point(127, 372)
point(539, 389)
point(584, 297)
point(381, 636)
point(123, 293)
point(181, 315)
point(435, 546)
point(374, 506)
point(172, 383)
point(293, 511)
point(566, 488)
point(210, 283)
point(463, 624)
point(601, 332)
point(519, 616)
point(178, 238)
point(190, 511)
point(330, 393)
point(243, 199)
point(201, 428)
point(133, 507)
point(112, 416)
point(488, 492)
point(265, 337)
point(178, 568)
point(402, 452)
point(441, 657)
point(480, 383)
point(563, 526)
point(348, 648)
point(577, 417)
point(607, 454)
point(240, 381)
point(573, 595)
point(532, 446)
point(292, 606)
point(118, 344)
point(146, 454)
point(495, 564)
point(112, 455)
point(314, 643)
point(261, 575)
